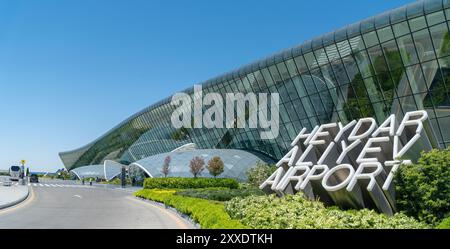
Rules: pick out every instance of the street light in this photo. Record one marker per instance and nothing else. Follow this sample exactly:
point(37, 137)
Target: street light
point(22, 174)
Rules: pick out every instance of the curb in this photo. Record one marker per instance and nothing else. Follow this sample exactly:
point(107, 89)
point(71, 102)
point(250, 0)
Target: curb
point(13, 203)
point(173, 210)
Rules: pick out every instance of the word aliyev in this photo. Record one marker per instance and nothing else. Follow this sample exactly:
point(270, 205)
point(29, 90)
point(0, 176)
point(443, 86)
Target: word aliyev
point(372, 149)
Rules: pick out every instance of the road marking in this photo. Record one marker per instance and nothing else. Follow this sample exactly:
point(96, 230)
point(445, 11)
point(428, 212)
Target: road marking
point(40, 184)
point(179, 221)
point(34, 184)
point(79, 196)
point(29, 184)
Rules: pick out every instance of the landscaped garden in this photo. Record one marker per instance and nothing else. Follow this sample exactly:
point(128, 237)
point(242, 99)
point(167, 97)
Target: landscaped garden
point(422, 192)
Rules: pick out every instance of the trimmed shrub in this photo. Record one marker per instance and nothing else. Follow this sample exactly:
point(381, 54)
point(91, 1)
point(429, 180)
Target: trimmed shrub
point(219, 194)
point(445, 224)
point(423, 189)
point(189, 183)
point(209, 214)
point(295, 212)
point(258, 174)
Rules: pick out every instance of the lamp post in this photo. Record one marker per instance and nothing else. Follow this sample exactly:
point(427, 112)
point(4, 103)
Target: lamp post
point(22, 173)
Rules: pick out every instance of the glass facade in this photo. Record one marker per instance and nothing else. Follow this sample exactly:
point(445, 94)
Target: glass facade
point(392, 63)
point(236, 163)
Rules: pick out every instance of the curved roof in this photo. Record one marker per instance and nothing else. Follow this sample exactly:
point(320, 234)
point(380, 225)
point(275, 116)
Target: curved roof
point(76, 158)
point(89, 171)
point(236, 162)
point(108, 170)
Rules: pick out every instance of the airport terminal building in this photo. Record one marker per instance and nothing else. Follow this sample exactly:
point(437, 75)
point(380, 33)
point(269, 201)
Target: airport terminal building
point(392, 63)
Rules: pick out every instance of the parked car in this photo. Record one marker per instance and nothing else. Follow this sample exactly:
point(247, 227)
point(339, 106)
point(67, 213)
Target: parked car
point(34, 178)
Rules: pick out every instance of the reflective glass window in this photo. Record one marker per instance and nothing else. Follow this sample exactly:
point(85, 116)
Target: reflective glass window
point(407, 50)
point(301, 64)
point(441, 39)
point(435, 18)
point(283, 71)
point(321, 56)
point(385, 34)
point(363, 63)
point(356, 43)
point(438, 94)
point(401, 29)
point(310, 60)
point(275, 74)
point(332, 52)
point(291, 67)
point(344, 48)
point(417, 23)
point(370, 39)
point(416, 79)
point(267, 77)
point(423, 45)
point(447, 14)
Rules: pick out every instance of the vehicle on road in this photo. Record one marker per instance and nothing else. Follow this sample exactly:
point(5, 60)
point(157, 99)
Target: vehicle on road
point(34, 178)
point(15, 173)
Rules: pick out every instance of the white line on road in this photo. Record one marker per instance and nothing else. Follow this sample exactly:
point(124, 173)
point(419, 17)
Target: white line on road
point(40, 184)
point(79, 196)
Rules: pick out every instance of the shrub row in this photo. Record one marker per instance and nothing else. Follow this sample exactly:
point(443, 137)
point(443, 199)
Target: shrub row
point(209, 214)
point(294, 211)
point(189, 183)
point(219, 194)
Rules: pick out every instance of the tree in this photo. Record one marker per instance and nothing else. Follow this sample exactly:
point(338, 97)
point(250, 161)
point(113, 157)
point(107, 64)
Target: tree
point(166, 166)
point(215, 166)
point(197, 165)
point(28, 172)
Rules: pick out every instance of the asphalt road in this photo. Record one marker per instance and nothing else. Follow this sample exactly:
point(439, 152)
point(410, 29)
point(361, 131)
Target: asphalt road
point(55, 205)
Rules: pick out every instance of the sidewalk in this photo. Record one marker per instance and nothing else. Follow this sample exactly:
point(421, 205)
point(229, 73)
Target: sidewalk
point(10, 196)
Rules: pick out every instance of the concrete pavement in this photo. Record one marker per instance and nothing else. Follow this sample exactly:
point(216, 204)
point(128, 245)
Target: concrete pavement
point(11, 195)
point(86, 207)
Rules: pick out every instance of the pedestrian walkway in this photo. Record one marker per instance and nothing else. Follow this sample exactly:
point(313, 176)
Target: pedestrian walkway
point(53, 185)
point(12, 195)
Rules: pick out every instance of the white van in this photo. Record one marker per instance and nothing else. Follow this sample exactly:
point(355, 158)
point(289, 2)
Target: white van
point(14, 173)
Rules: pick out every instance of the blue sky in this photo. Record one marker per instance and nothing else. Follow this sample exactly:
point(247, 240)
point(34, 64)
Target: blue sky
point(71, 70)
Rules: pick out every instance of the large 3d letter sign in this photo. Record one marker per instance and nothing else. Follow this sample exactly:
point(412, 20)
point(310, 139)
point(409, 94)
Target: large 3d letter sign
point(352, 165)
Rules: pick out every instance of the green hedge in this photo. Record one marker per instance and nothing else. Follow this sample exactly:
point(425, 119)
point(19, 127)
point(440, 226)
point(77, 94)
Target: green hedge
point(423, 189)
point(445, 224)
point(219, 194)
point(209, 214)
point(294, 211)
point(189, 183)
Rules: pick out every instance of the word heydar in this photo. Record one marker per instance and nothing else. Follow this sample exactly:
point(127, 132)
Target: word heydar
point(351, 165)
